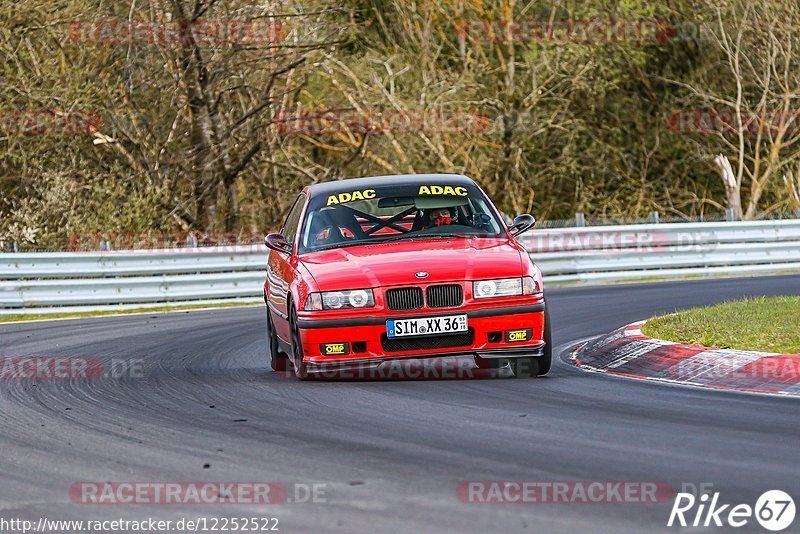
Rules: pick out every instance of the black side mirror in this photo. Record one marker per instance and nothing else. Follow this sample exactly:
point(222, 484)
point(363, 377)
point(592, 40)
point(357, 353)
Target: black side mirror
point(275, 241)
point(522, 223)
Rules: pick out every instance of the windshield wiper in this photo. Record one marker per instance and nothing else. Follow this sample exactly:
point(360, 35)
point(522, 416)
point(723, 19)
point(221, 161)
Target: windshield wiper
point(343, 244)
point(424, 236)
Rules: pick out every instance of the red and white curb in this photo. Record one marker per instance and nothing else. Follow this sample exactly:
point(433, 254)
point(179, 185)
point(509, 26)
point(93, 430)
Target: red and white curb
point(628, 352)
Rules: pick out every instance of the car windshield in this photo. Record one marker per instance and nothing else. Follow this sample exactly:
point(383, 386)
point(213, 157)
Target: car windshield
point(395, 213)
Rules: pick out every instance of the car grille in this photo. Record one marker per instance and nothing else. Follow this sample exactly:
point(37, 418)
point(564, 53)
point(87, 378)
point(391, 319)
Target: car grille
point(426, 343)
point(404, 298)
point(446, 296)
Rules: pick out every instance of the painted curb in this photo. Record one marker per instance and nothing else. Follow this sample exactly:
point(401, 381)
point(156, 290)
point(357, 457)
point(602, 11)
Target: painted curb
point(627, 352)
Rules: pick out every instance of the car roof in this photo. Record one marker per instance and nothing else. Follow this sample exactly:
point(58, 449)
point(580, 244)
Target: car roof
point(336, 186)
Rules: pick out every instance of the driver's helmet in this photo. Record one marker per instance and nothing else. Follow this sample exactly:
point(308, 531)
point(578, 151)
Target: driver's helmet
point(440, 216)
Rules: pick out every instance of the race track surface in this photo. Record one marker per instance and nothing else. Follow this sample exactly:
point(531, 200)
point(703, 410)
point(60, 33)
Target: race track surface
point(391, 452)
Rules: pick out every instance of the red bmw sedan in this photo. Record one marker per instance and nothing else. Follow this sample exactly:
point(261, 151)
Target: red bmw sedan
point(370, 270)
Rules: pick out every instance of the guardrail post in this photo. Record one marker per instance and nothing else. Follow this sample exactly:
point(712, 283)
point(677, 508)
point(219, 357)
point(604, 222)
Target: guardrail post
point(654, 217)
point(580, 220)
point(730, 215)
point(797, 213)
point(105, 245)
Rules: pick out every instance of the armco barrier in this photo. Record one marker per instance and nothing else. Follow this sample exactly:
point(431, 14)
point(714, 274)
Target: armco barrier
point(55, 282)
point(605, 253)
point(73, 281)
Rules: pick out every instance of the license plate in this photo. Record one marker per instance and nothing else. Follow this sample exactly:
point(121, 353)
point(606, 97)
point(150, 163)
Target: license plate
point(425, 326)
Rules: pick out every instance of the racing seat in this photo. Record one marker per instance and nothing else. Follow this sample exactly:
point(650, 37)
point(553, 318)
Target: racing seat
point(334, 220)
point(320, 222)
point(345, 218)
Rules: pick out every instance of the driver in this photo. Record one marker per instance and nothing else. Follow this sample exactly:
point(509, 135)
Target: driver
point(439, 217)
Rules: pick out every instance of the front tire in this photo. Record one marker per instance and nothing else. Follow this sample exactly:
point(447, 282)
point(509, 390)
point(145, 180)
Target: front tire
point(300, 368)
point(278, 361)
point(546, 359)
point(539, 365)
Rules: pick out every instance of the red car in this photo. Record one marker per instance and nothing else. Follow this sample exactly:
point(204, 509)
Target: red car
point(369, 270)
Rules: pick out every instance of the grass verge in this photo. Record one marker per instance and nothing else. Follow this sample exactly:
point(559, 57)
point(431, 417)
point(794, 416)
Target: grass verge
point(77, 315)
point(768, 324)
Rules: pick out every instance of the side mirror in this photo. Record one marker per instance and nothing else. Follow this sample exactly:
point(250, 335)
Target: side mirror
point(522, 223)
point(275, 241)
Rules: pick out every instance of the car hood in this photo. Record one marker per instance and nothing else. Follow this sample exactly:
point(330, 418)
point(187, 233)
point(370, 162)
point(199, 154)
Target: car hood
point(397, 263)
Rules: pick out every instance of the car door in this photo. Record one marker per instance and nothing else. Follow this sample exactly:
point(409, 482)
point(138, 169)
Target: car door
point(281, 270)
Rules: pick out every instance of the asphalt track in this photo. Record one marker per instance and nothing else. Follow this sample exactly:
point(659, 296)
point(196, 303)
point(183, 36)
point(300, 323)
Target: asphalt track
point(391, 452)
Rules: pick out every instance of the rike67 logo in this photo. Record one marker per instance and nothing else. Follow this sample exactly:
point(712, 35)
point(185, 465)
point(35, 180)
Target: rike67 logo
point(774, 510)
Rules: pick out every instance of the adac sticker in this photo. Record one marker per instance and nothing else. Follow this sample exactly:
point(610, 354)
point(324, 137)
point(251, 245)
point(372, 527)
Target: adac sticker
point(457, 191)
point(351, 197)
point(335, 349)
point(523, 334)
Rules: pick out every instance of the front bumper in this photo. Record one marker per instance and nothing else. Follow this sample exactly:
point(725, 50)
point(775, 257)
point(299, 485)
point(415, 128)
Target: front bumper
point(364, 337)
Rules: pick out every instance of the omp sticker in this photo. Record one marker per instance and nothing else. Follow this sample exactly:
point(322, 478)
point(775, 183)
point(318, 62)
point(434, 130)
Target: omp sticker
point(351, 197)
point(442, 190)
point(335, 349)
point(518, 335)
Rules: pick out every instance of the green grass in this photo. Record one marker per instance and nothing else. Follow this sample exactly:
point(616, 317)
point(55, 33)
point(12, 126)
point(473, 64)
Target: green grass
point(77, 315)
point(763, 324)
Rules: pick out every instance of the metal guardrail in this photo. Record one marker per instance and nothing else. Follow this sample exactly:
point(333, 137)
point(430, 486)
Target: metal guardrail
point(70, 281)
point(595, 254)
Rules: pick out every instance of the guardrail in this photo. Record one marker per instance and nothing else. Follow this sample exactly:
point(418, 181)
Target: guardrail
point(70, 281)
point(594, 254)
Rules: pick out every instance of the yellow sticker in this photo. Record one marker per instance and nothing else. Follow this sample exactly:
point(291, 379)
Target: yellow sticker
point(457, 191)
point(331, 349)
point(518, 335)
point(341, 198)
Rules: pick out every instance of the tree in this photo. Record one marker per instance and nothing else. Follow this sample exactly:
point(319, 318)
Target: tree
point(746, 100)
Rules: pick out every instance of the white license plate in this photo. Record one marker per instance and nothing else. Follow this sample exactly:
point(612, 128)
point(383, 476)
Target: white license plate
point(425, 326)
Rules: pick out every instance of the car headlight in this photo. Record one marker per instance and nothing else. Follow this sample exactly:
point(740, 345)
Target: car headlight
point(504, 287)
point(336, 300)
